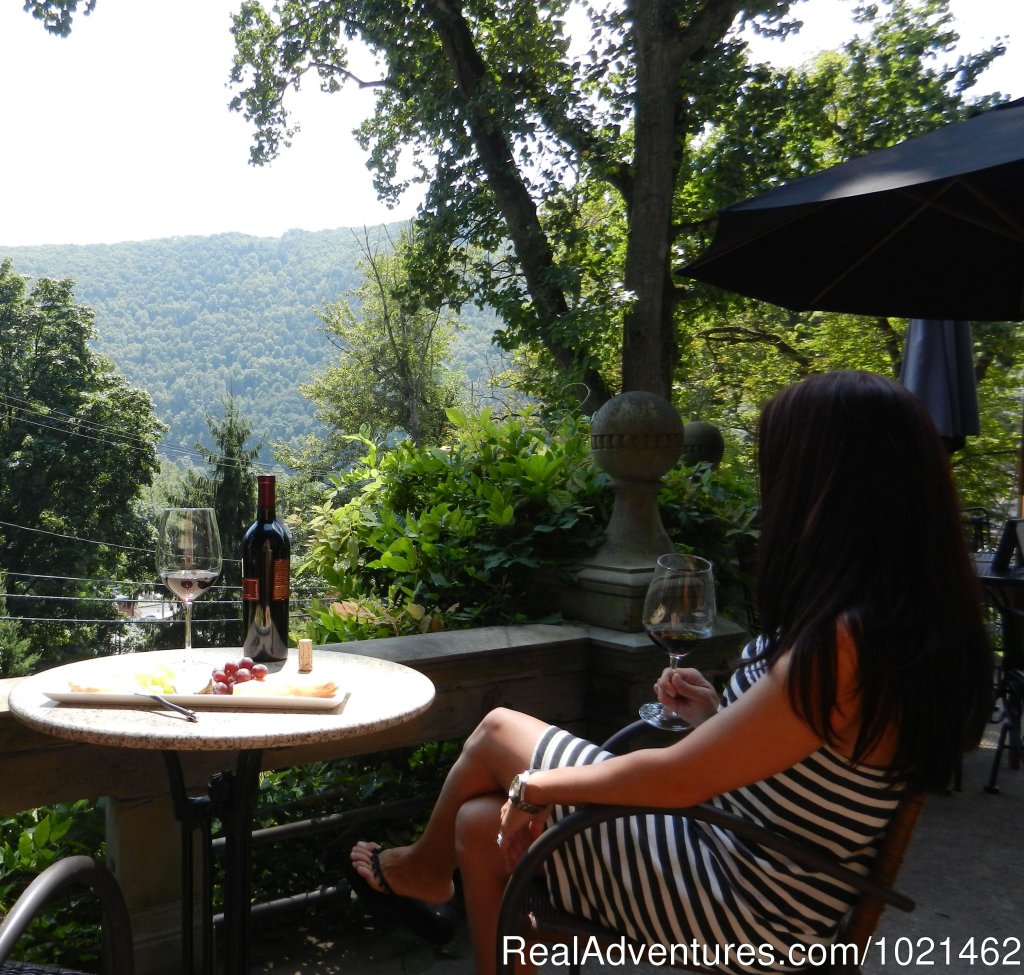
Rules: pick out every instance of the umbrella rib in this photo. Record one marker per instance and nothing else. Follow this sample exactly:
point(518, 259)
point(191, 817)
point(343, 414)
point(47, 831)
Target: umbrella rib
point(866, 254)
point(1004, 226)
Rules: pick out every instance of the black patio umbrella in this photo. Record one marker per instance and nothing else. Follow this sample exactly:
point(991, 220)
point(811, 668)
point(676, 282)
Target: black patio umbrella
point(930, 228)
point(938, 365)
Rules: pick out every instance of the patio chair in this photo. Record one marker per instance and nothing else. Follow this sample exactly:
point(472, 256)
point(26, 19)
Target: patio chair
point(527, 912)
point(71, 871)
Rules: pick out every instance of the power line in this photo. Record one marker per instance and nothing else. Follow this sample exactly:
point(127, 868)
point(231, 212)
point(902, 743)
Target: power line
point(135, 621)
point(76, 538)
point(37, 575)
point(93, 541)
point(159, 597)
point(107, 582)
point(120, 439)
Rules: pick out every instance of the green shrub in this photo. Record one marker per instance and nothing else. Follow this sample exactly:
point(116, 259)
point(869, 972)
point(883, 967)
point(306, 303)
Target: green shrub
point(713, 512)
point(418, 539)
point(67, 933)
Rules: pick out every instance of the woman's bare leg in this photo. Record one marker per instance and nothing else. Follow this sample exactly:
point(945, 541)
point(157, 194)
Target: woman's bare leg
point(484, 875)
point(501, 745)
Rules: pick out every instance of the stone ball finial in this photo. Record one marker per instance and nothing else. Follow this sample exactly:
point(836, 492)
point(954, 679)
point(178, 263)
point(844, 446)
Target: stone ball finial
point(702, 441)
point(637, 436)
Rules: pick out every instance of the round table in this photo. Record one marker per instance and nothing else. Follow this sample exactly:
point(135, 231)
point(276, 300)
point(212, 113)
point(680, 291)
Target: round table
point(371, 695)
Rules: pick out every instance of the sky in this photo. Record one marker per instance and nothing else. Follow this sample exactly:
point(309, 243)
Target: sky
point(122, 131)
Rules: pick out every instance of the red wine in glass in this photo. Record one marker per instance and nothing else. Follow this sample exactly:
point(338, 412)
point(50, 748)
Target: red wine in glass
point(679, 612)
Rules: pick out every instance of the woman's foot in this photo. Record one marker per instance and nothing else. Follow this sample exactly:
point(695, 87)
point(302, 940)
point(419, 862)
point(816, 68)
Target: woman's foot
point(435, 921)
point(394, 871)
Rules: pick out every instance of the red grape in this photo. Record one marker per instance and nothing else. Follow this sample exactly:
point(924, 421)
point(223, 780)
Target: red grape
point(259, 671)
point(245, 663)
point(220, 687)
point(230, 668)
point(242, 675)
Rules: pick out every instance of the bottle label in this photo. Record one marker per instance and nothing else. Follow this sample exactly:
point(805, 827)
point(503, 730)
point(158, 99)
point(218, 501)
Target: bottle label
point(279, 585)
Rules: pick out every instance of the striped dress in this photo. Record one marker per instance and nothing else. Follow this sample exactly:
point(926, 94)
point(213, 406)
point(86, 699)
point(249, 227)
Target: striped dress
point(668, 881)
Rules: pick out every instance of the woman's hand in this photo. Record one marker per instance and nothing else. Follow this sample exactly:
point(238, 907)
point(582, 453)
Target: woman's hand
point(688, 693)
point(518, 830)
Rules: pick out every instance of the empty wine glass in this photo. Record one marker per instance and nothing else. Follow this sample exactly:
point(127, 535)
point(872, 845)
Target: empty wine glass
point(188, 558)
point(679, 612)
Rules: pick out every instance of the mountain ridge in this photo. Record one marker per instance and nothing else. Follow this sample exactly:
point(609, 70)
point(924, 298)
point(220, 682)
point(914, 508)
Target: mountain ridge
point(190, 319)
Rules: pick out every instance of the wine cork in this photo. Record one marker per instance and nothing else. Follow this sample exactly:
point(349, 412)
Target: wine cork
point(305, 656)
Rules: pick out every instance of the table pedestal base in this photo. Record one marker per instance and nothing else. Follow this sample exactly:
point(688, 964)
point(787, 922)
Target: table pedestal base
point(230, 798)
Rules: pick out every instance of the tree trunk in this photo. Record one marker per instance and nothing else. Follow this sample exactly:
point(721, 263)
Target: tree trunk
point(663, 44)
point(649, 349)
point(532, 249)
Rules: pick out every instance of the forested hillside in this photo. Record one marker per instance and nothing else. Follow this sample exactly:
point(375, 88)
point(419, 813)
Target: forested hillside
point(189, 319)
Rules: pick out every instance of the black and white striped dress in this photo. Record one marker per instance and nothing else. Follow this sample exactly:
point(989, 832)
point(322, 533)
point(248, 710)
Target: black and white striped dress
point(668, 881)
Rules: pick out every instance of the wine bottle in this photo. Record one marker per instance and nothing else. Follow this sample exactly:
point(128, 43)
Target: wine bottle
point(266, 564)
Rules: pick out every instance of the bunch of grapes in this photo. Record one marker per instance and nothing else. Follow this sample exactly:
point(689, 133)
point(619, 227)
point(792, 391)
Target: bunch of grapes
point(237, 672)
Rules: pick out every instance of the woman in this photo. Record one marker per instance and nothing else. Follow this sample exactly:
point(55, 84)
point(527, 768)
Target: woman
point(873, 677)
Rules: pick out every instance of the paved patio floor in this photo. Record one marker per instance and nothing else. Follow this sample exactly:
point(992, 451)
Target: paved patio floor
point(964, 869)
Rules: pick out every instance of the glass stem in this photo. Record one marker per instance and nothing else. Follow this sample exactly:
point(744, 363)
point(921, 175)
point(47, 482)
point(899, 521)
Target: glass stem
point(188, 625)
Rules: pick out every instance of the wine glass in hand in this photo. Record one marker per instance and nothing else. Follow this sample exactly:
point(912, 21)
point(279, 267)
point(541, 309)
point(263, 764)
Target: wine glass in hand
point(188, 558)
point(679, 612)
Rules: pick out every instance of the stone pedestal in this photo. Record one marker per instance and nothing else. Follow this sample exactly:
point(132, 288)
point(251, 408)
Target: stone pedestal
point(636, 437)
point(144, 855)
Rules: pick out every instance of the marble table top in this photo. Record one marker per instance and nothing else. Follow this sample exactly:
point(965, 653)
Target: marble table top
point(374, 694)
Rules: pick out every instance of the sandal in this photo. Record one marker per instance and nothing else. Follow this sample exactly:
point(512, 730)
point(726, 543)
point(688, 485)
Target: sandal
point(435, 923)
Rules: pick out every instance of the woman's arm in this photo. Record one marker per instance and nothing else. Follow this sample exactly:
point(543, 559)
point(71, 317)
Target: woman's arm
point(755, 737)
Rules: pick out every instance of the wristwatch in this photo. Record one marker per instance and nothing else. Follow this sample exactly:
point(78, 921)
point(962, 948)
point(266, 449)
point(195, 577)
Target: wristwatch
point(515, 794)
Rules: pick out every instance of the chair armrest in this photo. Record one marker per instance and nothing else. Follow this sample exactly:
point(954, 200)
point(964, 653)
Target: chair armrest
point(589, 816)
point(83, 871)
point(625, 738)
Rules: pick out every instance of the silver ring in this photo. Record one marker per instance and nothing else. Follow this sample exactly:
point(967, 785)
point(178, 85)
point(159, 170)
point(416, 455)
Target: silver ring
point(500, 838)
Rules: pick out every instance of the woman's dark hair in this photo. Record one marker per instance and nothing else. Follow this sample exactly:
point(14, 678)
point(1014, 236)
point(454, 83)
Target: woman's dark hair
point(861, 524)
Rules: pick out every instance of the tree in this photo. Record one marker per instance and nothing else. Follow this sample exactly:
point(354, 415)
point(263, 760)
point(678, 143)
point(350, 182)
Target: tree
point(230, 487)
point(518, 140)
point(504, 124)
point(16, 656)
point(77, 448)
point(895, 82)
point(391, 376)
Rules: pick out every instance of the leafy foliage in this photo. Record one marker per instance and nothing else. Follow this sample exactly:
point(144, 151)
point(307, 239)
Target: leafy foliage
point(429, 536)
point(77, 447)
point(17, 658)
point(68, 932)
point(713, 512)
point(391, 376)
point(425, 538)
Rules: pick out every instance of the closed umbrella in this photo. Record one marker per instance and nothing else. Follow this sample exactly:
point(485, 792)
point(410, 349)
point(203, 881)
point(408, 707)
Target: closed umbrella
point(938, 365)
